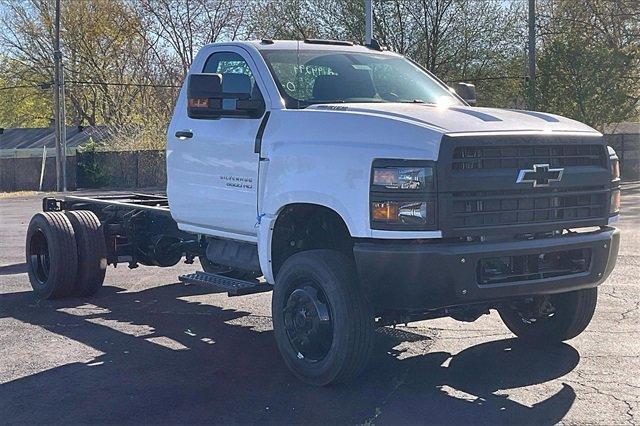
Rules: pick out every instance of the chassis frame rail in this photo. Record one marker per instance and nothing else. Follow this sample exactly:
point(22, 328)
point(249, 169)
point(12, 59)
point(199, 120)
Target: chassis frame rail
point(138, 228)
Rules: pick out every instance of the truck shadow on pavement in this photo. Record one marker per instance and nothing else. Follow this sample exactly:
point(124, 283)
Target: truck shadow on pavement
point(168, 360)
point(15, 269)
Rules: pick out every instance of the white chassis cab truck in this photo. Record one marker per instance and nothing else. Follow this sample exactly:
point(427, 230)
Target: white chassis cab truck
point(363, 192)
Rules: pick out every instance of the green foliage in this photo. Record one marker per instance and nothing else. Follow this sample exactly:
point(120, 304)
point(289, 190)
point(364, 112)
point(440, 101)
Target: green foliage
point(586, 82)
point(589, 63)
point(22, 103)
point(90, 173)
point(122, 56)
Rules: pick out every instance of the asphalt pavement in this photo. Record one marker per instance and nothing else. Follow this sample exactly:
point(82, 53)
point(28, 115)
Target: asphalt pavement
point(148, 349)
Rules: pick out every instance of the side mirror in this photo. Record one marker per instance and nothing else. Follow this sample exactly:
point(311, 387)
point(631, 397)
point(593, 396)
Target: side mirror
point(210, 96)
point(467, 91)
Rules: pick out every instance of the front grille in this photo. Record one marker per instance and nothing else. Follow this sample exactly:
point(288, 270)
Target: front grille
point(480, 195)
point(517, 207)
point(521, 156)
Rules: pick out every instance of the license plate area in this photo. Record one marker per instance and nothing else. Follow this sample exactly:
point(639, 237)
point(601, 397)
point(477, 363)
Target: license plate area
point(536, 266)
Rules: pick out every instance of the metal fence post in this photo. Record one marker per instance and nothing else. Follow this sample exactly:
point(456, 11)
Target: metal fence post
point(368, 22)
point(44, 161)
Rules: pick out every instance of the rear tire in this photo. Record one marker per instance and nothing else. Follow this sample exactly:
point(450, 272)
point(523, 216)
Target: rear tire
point(92, 251)
point(573, 312)
point(322, 321)
point(51, 255)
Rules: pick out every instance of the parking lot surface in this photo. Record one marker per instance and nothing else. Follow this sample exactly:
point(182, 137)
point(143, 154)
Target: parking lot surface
point(148, 349)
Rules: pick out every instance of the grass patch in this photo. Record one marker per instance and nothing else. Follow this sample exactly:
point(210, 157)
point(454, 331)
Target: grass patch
point(18, 194)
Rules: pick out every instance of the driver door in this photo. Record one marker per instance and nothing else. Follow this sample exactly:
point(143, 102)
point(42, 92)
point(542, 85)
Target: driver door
point(213, 173)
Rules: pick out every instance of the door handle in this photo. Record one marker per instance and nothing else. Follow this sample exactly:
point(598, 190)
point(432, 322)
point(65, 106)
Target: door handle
point(184, 134)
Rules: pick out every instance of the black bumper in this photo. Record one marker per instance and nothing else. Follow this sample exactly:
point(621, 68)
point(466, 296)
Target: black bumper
point(419, 276)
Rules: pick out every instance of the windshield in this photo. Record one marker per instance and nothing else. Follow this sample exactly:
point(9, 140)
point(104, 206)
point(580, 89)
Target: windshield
point(311, 77)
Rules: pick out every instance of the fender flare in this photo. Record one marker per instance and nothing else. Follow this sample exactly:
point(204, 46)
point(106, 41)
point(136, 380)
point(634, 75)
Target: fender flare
point(266, 226)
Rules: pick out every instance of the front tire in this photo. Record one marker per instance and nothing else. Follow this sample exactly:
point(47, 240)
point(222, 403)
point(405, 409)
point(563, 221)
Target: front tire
point(51, 255)
point(553, 318)
point(322, 321)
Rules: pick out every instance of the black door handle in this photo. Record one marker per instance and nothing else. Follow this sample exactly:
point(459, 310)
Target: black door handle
point(184, 134)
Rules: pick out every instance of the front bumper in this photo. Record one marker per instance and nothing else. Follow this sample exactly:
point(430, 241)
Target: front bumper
point(413, 276)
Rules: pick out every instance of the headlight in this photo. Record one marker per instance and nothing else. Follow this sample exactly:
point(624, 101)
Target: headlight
point(614, 205)
point(407, 178)
point(403, 212)
point(615, 164)
point(403, 195)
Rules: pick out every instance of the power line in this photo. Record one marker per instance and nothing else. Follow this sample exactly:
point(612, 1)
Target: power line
point(505, 77)
point(45, 86)
point(23, 87)
point(99, 83)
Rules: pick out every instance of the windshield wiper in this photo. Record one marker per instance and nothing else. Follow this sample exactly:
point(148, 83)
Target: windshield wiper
point(348, 101)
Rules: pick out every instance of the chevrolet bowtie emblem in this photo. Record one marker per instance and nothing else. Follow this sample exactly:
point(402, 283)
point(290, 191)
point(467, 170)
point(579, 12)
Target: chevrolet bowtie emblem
point(540, 175)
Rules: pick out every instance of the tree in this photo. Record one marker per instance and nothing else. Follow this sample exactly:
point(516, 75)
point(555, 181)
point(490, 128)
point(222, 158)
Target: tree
point(125, 58)
point(102, 51)
point(459, 40)
point(589, 60)
point(22, 101)
point(181, 27)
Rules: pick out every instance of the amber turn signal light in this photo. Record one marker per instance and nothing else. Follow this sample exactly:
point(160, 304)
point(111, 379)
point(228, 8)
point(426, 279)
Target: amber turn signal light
point(385, 211)
point(198, 103)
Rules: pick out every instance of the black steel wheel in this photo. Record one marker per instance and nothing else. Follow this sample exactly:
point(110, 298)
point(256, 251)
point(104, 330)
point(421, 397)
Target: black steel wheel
point(51, 255)
point(308, 323)
point(550, 318)
point(322, 321)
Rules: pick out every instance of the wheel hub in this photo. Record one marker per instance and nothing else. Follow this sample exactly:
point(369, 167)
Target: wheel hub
point(300, 320)
point(536, 310)
point(308, 323)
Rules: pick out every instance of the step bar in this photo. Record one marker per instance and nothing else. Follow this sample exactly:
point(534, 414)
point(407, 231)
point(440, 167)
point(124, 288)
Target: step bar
point(233, 286)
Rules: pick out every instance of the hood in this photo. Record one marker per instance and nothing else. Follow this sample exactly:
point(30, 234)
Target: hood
point(464, 119)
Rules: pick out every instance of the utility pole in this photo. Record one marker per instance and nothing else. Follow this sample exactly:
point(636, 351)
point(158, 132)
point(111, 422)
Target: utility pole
point(532, 54)
point(58, 105)
point(368, 22)
point(63, 127)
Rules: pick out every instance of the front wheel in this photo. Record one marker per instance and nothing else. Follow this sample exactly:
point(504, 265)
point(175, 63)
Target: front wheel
point(322, 321)
point(551, 318)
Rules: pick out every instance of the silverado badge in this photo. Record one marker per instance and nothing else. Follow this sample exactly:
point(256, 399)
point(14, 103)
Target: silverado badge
point(540, 175)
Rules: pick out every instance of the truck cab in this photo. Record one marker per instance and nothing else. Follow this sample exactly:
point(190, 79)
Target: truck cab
point(367, 192)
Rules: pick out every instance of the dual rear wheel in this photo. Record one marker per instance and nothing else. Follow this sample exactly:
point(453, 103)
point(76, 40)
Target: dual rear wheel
point(65, 254)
